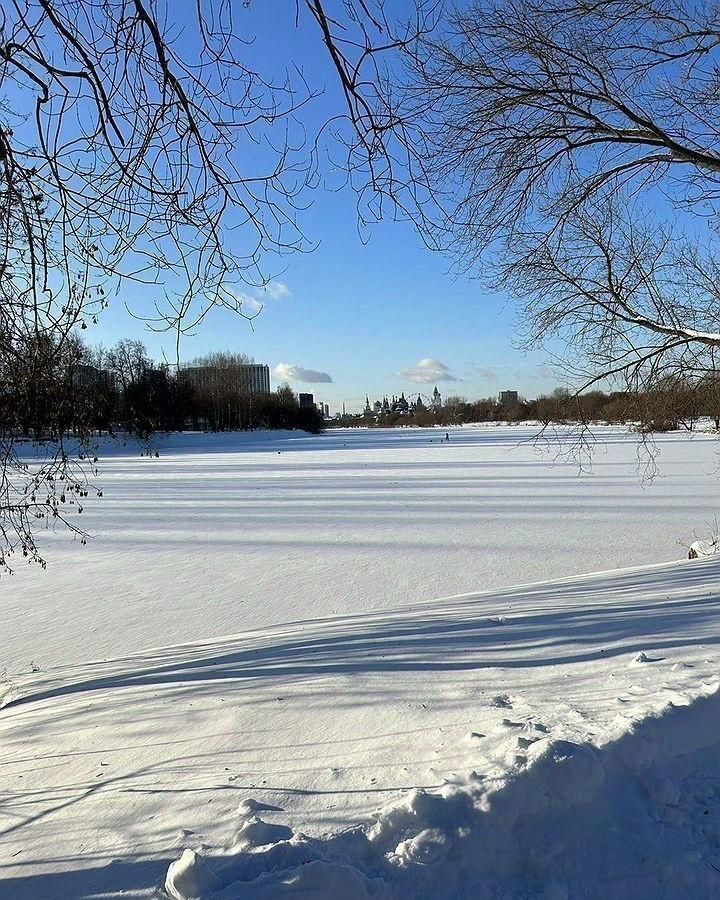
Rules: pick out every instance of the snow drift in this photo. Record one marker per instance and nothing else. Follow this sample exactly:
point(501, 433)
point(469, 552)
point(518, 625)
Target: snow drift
point(638, 817)
point(556, 740)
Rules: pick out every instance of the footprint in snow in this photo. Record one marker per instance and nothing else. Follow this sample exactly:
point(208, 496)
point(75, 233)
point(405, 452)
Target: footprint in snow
point(502, 701)
point(537, 726)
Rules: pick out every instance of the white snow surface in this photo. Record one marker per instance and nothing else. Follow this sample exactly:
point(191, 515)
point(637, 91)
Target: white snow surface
point(316, 722)
point(223, 533)
point(701, 548)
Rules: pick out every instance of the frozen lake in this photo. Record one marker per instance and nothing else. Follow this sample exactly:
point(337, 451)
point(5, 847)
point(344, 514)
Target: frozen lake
point(224, 533)
point(261, 618)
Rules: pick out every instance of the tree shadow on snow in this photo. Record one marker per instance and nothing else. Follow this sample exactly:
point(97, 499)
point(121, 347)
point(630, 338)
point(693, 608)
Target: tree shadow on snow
point(559, 623)
point(639, 817)
point(127, 876)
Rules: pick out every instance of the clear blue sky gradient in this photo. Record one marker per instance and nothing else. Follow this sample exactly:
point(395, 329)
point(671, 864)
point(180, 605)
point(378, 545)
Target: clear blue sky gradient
point(362, 313)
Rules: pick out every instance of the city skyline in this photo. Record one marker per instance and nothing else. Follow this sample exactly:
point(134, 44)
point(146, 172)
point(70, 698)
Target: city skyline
point(361, 312)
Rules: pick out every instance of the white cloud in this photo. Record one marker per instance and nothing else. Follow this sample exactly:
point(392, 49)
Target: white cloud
point(514, 373)
point(248, 304)
point(251, 303)
point(289, 372)
point(428, 371)
point(537, 373)
point(489, 373)
point(277, 290)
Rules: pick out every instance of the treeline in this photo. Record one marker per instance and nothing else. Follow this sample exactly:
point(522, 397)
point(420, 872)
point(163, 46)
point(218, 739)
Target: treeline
point(671, 404)
point(49, 390)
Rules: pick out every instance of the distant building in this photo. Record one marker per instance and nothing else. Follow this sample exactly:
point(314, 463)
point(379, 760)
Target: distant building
point(505, 398)
point(400, 405)
point(89, 377)
point(306, 401)
point(246, 379)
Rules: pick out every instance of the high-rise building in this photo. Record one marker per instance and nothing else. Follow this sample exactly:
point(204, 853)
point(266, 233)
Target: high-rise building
point(306, 401)
point(323, 409)
point(505, 398)
point(88, 377)
point(252, 378)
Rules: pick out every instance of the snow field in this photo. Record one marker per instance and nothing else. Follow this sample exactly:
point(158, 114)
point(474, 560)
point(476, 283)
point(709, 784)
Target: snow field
point(474, 723)
point(314, 720)
point(225, 533)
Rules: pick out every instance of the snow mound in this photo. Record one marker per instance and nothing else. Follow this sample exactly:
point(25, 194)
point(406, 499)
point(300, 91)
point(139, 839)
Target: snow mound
point(576, 821)
point(643, 657)
point(190, 878)
point(700, 549)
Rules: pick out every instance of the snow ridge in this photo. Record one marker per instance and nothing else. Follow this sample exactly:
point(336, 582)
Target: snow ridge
point(575, 821)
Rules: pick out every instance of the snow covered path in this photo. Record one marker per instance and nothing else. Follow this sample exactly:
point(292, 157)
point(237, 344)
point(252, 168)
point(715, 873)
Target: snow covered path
point(328, 719)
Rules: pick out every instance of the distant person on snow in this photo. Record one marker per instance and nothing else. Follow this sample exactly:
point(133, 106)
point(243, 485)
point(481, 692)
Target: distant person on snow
point(447, 436)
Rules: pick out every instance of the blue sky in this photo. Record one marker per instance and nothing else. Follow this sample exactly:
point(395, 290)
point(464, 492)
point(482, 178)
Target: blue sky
point(377, 318)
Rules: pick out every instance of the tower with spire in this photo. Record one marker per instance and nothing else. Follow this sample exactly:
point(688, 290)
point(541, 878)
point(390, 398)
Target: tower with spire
point(399, 405)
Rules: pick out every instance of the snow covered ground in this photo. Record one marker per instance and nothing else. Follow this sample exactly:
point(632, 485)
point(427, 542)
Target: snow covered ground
point(225, 533)
point(554, 740)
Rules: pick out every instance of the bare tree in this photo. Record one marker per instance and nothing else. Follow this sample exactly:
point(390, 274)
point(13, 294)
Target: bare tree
point(126, 154)
point(222, 388)
point(571, 147)
point(127, 361)
point(133, 151)
point(43, 481)
point(221, 359)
